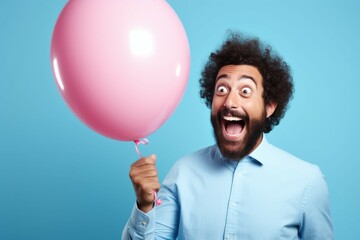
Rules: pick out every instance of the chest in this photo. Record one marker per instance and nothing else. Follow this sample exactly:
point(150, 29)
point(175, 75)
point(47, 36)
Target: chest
point(239, 205)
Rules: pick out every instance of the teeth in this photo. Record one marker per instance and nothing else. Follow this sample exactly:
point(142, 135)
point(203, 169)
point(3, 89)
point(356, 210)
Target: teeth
point(232, 118)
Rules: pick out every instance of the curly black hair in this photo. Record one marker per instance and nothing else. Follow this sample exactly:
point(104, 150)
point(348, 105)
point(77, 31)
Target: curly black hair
point(238, 50)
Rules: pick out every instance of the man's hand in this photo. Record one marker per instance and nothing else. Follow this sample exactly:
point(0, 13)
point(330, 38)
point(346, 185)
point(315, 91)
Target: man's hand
point(144, 177)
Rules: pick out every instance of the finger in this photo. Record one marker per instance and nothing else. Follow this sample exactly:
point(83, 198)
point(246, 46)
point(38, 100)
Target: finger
point(150, 160)
point(144, 180)
point(143, 168)
point(150, 188)
point(156, 186)
point(143, 171)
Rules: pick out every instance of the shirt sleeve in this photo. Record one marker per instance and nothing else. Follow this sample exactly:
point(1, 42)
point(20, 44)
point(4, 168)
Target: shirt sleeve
point(316, 218)
point(160, 223)
point(140, 225)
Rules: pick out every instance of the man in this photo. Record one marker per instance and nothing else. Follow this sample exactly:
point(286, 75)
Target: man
point(242, 187)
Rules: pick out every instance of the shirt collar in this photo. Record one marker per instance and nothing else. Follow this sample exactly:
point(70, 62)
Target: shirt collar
point(259, 155)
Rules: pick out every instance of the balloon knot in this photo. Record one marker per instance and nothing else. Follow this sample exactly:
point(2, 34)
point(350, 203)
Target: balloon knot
point(143, 141)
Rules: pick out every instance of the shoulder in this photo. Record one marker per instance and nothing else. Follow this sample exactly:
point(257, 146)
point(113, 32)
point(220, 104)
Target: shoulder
point(199, 157)
point(195, 163)
point(290, 170)
point(286, 161)
point(297, 176)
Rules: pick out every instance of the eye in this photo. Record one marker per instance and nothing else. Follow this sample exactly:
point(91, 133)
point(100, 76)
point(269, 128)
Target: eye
point(246, 91)
point(221, 90)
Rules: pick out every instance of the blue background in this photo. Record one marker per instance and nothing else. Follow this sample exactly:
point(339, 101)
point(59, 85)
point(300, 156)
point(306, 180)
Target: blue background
point(60, 180)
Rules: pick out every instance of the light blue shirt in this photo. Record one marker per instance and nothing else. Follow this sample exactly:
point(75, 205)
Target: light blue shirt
point(269, 194)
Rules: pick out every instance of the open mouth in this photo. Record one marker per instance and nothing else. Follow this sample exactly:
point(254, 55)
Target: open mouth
point(233, 126)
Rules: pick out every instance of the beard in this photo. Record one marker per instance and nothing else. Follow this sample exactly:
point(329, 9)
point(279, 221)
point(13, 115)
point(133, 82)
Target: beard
point(236, 150)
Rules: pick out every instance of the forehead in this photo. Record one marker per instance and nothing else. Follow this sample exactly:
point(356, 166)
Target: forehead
point(238, 71)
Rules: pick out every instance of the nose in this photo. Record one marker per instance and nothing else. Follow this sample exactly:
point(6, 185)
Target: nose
point(232, 101)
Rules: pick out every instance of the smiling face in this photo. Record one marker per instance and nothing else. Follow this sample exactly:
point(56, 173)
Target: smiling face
point(238, 112)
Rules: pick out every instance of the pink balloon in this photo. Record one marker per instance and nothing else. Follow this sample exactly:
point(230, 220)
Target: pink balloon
point(121, 65)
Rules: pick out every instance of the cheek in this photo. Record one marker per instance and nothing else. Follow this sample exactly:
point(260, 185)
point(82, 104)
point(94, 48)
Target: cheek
point(214, 110)
point(216, 105)
point(254, 108)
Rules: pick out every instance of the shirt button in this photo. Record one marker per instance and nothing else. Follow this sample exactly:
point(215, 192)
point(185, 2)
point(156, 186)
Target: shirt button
point(228, 237)
point(143, 223)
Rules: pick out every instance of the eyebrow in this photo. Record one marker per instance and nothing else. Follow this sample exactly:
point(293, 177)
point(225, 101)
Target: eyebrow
point(226, 76)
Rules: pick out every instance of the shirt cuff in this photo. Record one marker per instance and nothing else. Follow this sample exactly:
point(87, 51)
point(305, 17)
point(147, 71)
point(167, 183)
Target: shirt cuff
point(143, 223)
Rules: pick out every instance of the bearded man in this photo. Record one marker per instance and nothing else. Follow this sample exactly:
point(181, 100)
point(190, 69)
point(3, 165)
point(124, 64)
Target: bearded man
point(243, 187)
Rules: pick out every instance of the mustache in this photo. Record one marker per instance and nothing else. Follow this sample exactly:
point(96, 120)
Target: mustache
point(231, 113)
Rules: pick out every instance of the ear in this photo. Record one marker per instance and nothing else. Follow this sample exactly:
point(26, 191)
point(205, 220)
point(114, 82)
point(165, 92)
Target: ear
point(270, 108)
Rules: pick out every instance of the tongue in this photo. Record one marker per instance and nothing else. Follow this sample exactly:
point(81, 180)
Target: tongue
point(233, 128)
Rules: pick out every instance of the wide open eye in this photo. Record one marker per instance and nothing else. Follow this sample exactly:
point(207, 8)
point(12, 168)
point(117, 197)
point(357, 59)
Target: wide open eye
point(246, 91)
point(222, 90)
